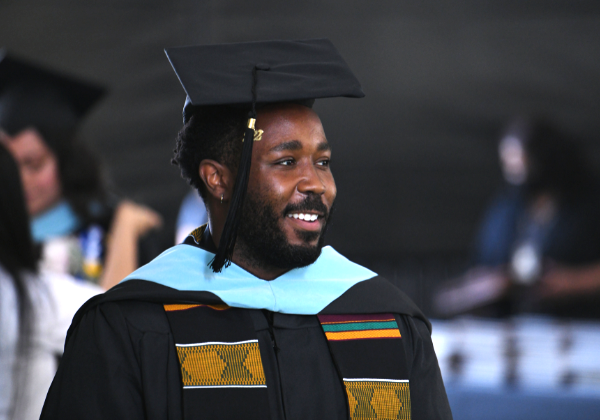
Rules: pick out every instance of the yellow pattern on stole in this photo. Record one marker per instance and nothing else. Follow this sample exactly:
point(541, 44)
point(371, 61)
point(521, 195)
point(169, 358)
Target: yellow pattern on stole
point(378, 400)
point(198, 232)
point(221, 364)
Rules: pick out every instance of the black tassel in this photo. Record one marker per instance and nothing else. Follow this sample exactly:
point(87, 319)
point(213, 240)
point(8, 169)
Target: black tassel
point(229, 234)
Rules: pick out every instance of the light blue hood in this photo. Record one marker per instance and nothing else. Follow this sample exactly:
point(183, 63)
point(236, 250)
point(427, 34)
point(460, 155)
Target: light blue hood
point(302, 291)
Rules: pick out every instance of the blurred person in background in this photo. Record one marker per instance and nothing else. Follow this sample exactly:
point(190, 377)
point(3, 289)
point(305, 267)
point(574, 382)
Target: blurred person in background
point(192, 213)
point(538, 247)
point(79, 229)
point(35, 309)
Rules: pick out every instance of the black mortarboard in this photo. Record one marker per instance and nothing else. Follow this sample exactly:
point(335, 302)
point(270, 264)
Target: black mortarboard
point(33, 96)
point(254, 73)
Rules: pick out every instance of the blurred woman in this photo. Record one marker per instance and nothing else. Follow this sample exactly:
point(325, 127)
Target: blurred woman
point(547, 209)
point(79, 229)
point(538, 247)
point(35, 309)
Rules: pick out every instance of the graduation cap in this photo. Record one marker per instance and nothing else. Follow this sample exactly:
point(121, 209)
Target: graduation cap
point(251, 74)
point(34, 96)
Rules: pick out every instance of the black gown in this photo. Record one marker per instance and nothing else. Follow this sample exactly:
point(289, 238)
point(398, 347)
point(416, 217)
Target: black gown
point(121, 362)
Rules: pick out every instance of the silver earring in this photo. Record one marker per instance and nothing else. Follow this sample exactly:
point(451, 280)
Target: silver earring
point(221, 198)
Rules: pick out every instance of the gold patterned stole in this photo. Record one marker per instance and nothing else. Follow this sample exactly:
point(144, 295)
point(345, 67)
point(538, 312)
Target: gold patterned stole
point(222, 373)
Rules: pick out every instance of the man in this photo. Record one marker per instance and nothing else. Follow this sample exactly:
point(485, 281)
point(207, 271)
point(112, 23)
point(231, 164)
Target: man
point(252, 317)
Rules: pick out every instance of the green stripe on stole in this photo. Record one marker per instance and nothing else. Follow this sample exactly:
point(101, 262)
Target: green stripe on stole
point(361, 326)
point(374, 371)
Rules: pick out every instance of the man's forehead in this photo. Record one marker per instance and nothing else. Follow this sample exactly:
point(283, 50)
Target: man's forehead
point(287, 118)
point(292, 145)
point(289, 129)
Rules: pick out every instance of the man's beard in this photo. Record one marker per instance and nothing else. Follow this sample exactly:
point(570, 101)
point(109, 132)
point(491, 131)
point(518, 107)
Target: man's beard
point(262, 241)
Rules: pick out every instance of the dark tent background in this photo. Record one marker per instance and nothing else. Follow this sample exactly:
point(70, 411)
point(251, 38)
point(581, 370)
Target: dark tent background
point(415, 161)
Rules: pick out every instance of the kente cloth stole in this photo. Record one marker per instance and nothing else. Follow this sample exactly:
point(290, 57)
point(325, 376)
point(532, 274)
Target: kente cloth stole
point(370, 359)
point(221, 367)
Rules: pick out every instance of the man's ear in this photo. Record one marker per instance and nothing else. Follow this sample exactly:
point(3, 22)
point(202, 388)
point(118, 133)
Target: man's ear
point(217, 178)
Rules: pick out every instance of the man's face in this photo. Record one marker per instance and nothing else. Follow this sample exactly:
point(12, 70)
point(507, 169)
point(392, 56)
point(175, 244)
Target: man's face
point(291, 190)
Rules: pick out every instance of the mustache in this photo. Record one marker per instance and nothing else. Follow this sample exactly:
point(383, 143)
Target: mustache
point(312, 202)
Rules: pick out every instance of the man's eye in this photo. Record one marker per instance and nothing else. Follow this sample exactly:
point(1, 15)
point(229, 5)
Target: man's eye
point(324, 162)
point(287, 162)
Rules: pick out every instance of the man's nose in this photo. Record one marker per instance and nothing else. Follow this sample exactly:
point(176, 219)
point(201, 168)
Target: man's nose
point(311, 181)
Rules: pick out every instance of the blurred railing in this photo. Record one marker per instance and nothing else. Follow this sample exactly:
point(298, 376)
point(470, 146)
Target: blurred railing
point(523, 367)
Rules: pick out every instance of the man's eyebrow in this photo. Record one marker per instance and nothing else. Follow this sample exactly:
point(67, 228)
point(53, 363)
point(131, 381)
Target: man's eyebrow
point(323, 146)
point(288, 145)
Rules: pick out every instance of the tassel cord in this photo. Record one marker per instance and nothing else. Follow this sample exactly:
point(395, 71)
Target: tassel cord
point(229, 235)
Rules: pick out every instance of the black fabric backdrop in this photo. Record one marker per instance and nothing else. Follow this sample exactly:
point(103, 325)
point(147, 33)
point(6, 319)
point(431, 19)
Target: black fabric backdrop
point(415, 161)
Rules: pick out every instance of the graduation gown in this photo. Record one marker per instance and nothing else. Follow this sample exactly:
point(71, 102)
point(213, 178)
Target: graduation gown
point(125, 354)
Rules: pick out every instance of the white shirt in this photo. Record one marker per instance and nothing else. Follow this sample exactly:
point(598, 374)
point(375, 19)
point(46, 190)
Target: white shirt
point(55, 299)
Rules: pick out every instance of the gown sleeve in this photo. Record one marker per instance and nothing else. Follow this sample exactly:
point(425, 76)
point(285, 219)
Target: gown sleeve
point(118, 364)
point(427, 393)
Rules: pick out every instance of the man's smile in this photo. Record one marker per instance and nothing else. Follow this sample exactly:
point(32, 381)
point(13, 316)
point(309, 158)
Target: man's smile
point(309, 215)
point(308, 220)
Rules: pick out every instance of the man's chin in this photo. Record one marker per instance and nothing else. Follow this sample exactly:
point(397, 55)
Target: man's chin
point(305, 237)
point(272, 241)
point(298, 256)
point(306, 242)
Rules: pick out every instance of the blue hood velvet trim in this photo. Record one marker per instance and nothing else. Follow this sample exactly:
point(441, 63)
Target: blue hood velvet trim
point(301, 291)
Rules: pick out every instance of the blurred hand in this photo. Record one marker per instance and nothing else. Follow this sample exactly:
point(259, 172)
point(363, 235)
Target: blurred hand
point(130, 222)
point(137, 219)
point(561, 281)
point(477, 288)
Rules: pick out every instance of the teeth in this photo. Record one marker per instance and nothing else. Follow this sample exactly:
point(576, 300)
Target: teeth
point(302, 216)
